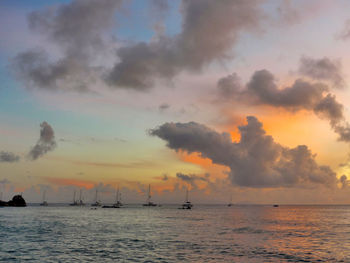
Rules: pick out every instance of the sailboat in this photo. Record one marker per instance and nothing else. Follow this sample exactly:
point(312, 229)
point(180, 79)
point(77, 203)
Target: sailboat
point(149, 202)
point(187, 204)
point(81, 203)
point(97, 202)
point(118, 199)
point(118, 203)
point(75, 202)
point(44, 203)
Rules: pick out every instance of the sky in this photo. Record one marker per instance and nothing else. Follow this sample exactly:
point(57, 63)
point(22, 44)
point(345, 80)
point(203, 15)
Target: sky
point(237, 98)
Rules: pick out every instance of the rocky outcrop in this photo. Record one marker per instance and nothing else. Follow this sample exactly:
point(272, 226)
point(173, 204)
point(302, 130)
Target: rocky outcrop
point(17, 201)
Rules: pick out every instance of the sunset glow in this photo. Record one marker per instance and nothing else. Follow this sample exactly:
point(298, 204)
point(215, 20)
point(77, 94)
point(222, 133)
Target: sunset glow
point(235, 97)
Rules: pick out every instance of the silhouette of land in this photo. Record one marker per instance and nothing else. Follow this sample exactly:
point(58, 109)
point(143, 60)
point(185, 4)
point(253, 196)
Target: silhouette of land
point(17, 201)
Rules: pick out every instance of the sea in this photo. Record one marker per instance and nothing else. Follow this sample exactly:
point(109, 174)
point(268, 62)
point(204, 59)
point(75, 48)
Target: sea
point(207, 233)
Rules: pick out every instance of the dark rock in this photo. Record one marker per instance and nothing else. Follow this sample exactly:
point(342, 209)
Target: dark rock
point(17, 201)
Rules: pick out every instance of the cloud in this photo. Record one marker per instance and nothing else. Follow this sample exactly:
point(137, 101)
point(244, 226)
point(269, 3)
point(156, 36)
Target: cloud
point(209, 31)
point(254, 161)
point(8, 157)
point(77, 26)
point(79, 30)
point(344, 181)
point(263, 90)
point(330, 109)
point(301, 95)
point(323, 69)
point(46, 142)
point(229, 86)
point(163, 107)
point(184, 177)
point(345, 33)
point(190, 177)
point(34, 68)
point(288, 13)
point(5, 181)
point(135, 164)
point(82, 30)
point(159, 7)
point(165, 177)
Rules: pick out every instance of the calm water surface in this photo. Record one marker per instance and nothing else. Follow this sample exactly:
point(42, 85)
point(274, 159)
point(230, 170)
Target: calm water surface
point(167, 234)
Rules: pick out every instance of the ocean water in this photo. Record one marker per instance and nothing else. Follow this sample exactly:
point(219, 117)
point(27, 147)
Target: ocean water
point(167, 234)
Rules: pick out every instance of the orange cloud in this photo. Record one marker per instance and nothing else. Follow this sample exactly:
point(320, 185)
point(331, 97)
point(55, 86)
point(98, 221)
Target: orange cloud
point(20, 189)
point(215, 170)
point(67, 181)
point(160, 188)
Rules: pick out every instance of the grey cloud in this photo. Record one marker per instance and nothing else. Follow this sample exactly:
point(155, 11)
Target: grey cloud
point(81, 29)
point(8, 157)
point(344, 131)
point(35, 69)
point(344, 181)
point(190, 177)
point(163, 107)
point(4, 181)
point(120, 140)
point(323, 69)
point(210, 29)
point(229, 86)
point(330, 109)
point(263, 90)
point(345, 33)
point(255, 161)
point(302, 95)
point(165, 177)
point(160, 7)
point(184, 177)
point(45, 143)
point(78, 28)
point(288, 13)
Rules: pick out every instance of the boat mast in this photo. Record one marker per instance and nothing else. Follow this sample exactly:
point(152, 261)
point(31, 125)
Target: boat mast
point(74, 196)
point(117, 196)
point(186, 195)
point(96, 196)
point(44, 194)
point(149, 193)
point(80, 196)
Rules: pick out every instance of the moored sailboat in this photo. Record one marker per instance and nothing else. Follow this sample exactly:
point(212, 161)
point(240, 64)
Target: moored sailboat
point(44, 203)
point(187, 204)
point(77, 202)
point(149, 202)
point(97, 202)
point(118, 203)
